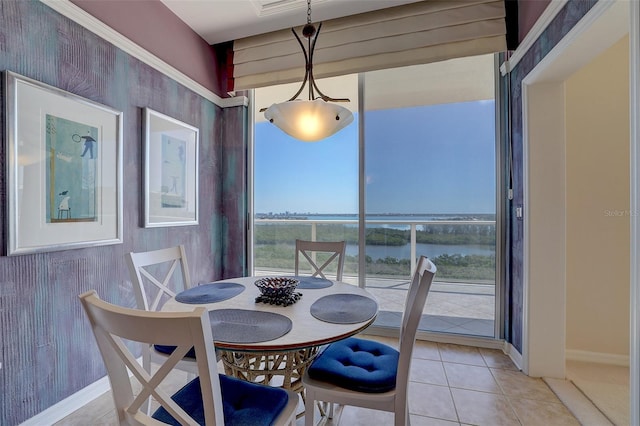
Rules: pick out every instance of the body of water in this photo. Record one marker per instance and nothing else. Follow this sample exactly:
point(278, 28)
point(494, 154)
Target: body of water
point(398, 252)
point(429, 250)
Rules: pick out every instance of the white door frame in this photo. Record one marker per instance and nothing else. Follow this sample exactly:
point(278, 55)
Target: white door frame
point(634, 312)
point(543, 86)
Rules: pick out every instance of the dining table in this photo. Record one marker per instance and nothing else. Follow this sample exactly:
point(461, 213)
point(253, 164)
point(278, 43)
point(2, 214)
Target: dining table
point(273, 343)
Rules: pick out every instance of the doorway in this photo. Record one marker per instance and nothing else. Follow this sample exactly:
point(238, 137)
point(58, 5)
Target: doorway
point(576, 136)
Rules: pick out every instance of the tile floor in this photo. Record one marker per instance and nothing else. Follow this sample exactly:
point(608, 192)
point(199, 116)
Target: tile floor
point(450, 385)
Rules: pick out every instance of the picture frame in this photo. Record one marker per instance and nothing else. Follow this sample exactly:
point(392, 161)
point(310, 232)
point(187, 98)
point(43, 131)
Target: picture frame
point(171, 171)
point(63, 169)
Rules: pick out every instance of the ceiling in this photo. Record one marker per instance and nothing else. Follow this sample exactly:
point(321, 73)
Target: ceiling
point(223, 20)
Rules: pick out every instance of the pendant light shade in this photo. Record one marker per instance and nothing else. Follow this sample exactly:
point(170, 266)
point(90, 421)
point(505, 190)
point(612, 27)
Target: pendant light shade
point(318, 117)
point(309, 121)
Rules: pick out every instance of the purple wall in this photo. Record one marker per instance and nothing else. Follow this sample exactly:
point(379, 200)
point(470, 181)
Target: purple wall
point(528, 13)
point(47, 349)
point(150, 24)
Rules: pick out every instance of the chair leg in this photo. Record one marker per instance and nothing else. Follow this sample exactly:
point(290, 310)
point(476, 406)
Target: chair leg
point(401, 417)
point(146, 364)
point(325, 409)
point(309, 406)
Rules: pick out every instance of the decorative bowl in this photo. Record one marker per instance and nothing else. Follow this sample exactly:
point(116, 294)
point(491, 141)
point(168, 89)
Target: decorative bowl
point(277, 287)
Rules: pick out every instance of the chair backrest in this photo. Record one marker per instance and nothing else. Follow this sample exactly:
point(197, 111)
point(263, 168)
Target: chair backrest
point(414, 305)
point(335, 249)
point(146, 267)
point(113, 325)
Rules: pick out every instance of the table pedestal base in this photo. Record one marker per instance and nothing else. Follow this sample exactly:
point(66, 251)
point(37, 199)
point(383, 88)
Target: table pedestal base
point(283, 368)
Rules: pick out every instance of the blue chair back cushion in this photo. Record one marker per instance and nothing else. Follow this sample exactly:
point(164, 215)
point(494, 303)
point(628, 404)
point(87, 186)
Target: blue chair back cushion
point(357, 364)
point(243, 403)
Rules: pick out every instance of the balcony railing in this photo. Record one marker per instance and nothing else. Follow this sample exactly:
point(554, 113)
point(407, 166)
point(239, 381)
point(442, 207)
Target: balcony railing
point(415, 227)
point(462, 298)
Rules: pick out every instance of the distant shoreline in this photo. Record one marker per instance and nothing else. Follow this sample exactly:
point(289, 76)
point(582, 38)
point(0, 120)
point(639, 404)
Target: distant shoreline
point(373, 216)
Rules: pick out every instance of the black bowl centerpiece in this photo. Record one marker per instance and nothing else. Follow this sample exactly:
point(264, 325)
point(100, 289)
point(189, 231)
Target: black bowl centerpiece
point(278, 290)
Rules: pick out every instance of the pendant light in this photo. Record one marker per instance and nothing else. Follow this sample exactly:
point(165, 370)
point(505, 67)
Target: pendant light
point(316, 118)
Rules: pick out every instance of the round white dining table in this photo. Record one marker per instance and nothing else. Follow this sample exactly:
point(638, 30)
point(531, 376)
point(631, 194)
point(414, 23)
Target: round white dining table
point(282, 361)
point(306, 330)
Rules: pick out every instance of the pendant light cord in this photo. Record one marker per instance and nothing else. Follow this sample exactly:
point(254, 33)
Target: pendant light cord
point(311, 34)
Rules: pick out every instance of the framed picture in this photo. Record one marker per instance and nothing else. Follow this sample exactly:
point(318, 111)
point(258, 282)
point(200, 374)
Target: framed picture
point(171, 171)
point(63, 169)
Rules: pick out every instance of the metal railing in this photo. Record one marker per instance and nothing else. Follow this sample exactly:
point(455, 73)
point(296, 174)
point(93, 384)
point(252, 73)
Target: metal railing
point(412, 224)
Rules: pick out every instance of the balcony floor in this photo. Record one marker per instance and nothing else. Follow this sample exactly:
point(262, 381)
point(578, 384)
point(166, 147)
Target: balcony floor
point(460, 308)
point(452, 307)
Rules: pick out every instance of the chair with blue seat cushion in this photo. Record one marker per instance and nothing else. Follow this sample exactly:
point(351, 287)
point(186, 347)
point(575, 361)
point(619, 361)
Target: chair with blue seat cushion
point(358, 364)
point(370, 374)
point(210, 399)
point(243, 403)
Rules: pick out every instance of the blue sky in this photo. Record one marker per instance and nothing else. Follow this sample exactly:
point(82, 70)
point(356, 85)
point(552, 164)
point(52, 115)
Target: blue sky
point(429, 159)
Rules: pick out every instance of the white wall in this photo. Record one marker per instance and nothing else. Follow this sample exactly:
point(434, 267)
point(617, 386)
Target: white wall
point(597, 204)
point(545, 214)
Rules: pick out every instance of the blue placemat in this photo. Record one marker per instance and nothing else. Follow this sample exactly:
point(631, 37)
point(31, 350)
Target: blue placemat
point(312, 283)
point(344, 308)
point(209, 293)
point(244, 326)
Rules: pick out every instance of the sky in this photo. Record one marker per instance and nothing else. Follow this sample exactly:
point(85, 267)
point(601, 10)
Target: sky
point(428, 159)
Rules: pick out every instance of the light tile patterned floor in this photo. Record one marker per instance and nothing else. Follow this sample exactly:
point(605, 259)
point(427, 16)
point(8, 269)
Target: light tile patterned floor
point(450, 385)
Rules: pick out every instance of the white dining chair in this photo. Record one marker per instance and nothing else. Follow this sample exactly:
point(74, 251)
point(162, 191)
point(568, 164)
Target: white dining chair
point(335, 250)
point(211, 398)
point(370, 374)
point(153, 283)
point(156, 276)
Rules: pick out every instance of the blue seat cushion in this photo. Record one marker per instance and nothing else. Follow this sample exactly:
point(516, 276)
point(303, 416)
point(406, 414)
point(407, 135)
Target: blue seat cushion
point(166, 349)
point(243, 403)
point(357, 364)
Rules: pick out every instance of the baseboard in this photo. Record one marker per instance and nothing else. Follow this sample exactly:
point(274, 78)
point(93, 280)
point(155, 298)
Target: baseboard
point(73, 402)
point(597, 357)
point(513, 353)
point(70, 404)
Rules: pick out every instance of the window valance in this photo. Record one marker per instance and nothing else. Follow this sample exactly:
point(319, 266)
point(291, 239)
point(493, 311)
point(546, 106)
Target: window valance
point(411, 34)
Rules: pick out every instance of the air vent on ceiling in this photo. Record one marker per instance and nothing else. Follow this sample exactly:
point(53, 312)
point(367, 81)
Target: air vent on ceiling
point(271, 7)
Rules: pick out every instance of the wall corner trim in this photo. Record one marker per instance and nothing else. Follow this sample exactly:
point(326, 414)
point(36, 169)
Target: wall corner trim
point(91, 23)
point(541, 24)
point(505, 68)
point(513, 353)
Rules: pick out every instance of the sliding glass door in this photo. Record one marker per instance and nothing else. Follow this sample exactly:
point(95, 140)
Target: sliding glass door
point(421, 176)
point(430, 165)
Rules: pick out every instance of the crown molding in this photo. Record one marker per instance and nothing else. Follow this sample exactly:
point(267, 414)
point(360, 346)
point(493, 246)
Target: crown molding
point(541, 24)
point(102, 30)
